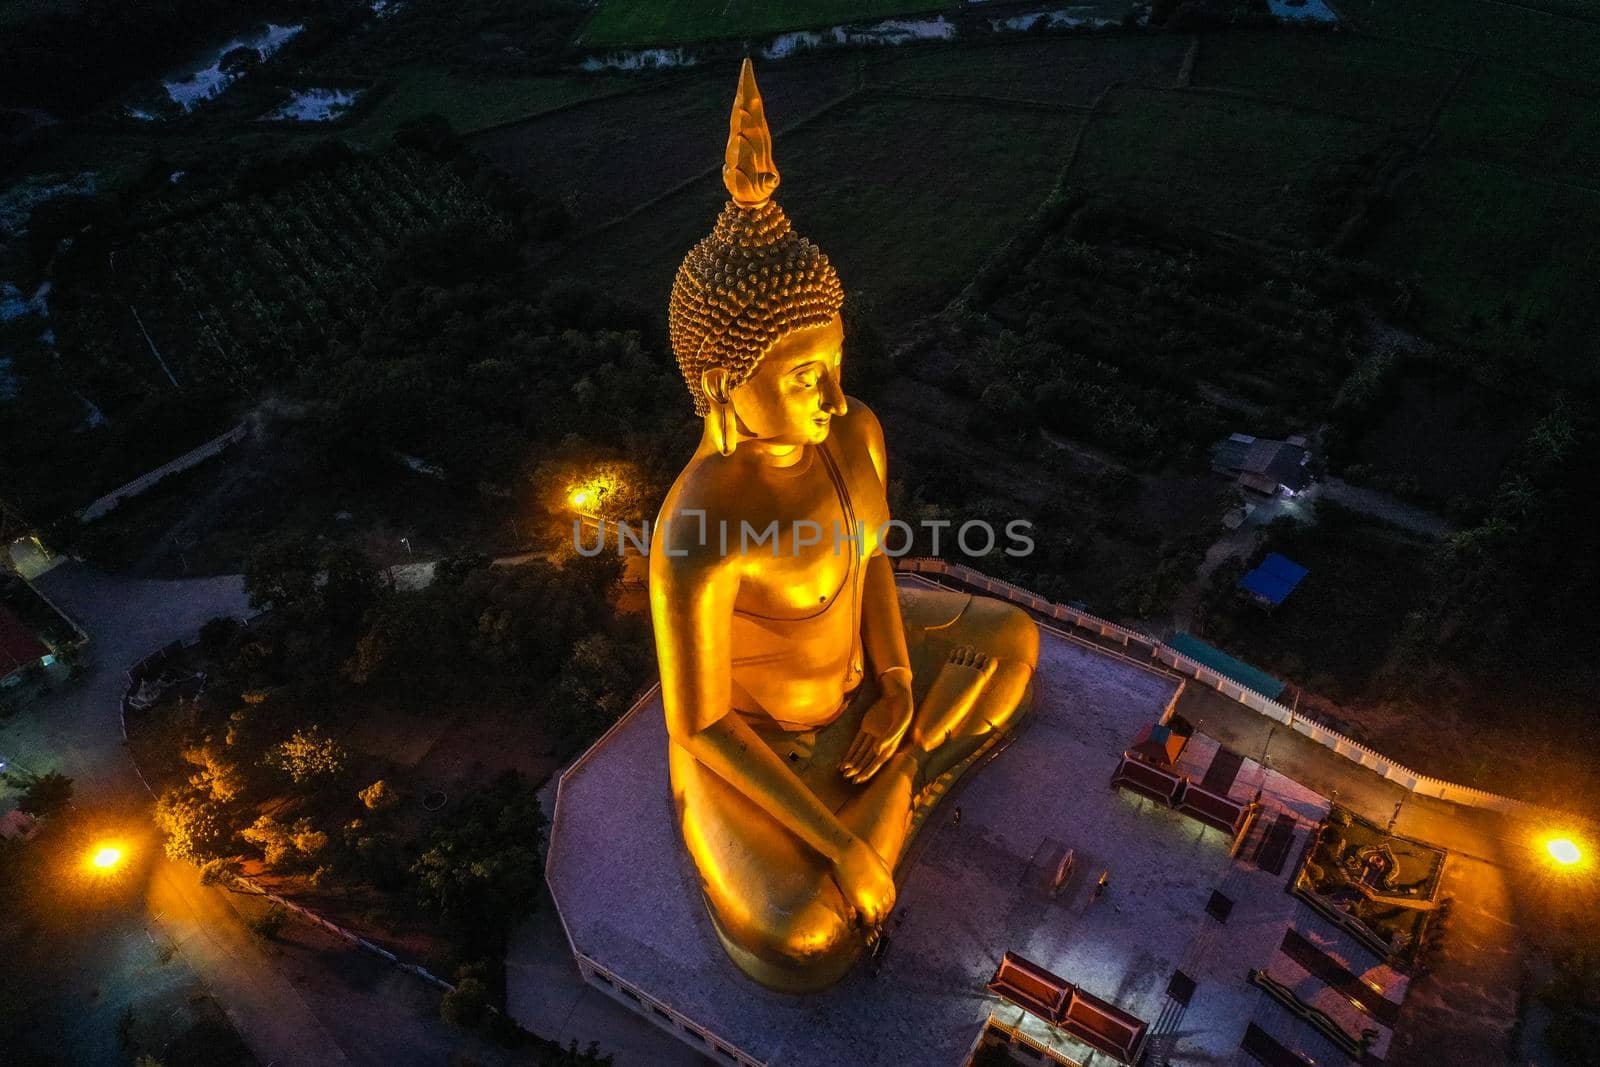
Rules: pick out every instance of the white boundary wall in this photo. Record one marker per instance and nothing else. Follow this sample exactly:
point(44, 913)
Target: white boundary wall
point(145, 481)
point(1355, 751)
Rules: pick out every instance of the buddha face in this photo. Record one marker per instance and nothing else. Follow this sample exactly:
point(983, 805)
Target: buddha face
point(795, 392)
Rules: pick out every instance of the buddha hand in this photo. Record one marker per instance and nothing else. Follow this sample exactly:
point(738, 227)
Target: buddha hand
point(882, 727)
point(866, 884)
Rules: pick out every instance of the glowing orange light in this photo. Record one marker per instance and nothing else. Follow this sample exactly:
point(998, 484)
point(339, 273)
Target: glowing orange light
point(106, 857)
point(581, 498)
point(1563, 851)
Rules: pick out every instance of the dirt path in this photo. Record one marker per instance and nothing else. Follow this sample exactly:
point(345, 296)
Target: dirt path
point(1383, 506)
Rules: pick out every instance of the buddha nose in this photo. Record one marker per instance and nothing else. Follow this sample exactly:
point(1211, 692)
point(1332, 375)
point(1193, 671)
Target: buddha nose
point(833, 401)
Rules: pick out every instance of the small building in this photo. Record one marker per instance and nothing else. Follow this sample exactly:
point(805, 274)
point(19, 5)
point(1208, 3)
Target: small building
point(1159, 744)
point(1262, 464)
point(18, 826)
point(1271, 582)
point(20, 648)
point(1191, 647)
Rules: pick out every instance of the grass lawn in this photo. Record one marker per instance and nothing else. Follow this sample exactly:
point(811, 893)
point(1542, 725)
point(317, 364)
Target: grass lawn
point(1257, 170)
point(1384, 80)
point(1504, 261)
point(1334, 632)
point(638, 22)
point(1533, 125)
point(473, 103)
point(1069, 69)
point(869, 182)
point(1552, 39)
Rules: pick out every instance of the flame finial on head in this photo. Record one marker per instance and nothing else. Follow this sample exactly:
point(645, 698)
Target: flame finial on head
point(747, 168)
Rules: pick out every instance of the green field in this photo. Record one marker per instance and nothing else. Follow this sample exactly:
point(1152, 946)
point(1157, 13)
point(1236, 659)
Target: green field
point(1558, 43)
point(1068, 70)
point(16, 11)
point(864, 183)
point(606, 157)
point(1234, 165)
point(254, 290)
point(472, 103)
point(1359, 76)
point(1506, 262)
point(1533, 125)
point(641, 22)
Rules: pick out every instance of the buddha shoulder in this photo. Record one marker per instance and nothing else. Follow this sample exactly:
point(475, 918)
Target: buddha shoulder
point(857, 433)
point(707, 493)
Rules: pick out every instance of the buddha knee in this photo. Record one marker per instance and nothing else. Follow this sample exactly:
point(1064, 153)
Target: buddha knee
point(806, 935)
point(1004, 631)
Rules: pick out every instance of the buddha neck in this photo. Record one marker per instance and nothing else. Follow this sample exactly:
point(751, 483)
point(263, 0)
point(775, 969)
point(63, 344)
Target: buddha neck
point(769, 455)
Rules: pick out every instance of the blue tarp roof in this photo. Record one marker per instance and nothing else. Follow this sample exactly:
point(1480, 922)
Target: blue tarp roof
point(1274, 579)
point(1224, 664)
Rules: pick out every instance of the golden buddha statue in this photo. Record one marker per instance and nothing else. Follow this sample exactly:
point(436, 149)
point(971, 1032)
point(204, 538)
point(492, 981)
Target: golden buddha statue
point(816, 710)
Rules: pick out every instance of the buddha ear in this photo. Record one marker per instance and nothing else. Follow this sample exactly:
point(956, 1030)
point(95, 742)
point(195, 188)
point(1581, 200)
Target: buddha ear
point(720, 419)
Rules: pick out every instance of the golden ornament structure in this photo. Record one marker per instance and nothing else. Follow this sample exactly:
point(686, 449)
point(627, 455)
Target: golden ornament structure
point(816, 712)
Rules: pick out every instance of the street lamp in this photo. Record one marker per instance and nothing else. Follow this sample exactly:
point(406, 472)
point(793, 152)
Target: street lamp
point(1564, 851)
point(105, 857)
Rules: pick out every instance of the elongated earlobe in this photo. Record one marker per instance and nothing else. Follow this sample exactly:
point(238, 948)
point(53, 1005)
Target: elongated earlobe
point(720, 419)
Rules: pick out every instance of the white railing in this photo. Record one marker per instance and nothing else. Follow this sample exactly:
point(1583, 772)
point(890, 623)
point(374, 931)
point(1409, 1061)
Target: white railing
point(1327, 737)
point(145, 481)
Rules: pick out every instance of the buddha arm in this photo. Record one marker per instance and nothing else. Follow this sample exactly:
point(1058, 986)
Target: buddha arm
point(883, 633)
point(692, 610)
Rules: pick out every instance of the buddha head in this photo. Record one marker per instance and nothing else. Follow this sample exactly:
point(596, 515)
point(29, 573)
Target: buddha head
point(754, 314)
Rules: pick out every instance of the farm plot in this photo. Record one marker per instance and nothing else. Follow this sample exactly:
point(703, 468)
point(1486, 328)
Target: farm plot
point(1555, 37)
point(471, 103)
point(1535, 126)
point(606, 157)
point(869, 182)
point(1359, 76)
point(1274, 173)
point(1064, 70)
point(256, 288)
point(638, 22)
point(1505, 262)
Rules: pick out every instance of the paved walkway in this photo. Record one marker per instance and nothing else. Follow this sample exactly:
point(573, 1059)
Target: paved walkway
point(1465, 1008)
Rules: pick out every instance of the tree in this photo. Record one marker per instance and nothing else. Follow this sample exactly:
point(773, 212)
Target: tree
point(379, 796)
point(223, 871)
point(42, 794)
point(222, 778)
point(466, 1004)
point(195, 828)
point(483, 868)
point(281, 573)
point(309, 756)
point(572, 1056)
point(594, 688)
point(268, 924)
point(217, 637)
point(285, 845)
